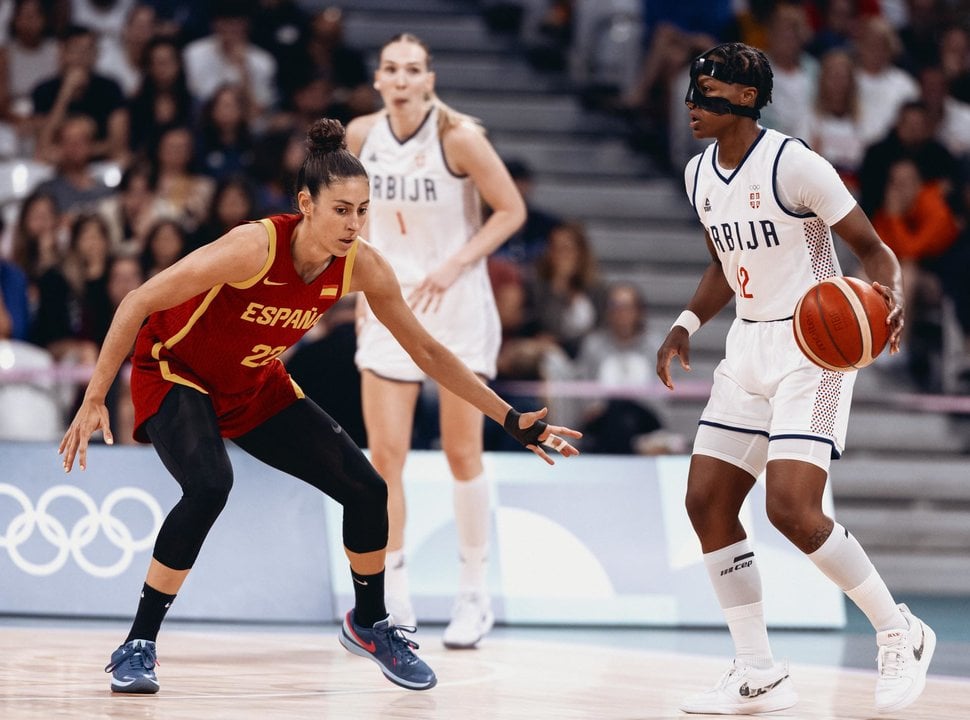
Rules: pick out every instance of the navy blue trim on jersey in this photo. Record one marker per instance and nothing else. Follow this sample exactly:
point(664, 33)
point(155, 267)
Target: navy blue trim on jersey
point(784, 319)
point(722, 426)
point(444, 159)
point(795, 436)
point(409, 137)
point(717, 170)
point(697, 174)
point(774, 181)
point(791, 436)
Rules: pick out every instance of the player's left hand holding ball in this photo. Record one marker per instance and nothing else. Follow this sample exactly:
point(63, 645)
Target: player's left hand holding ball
point(530, 430)
point(895, 319)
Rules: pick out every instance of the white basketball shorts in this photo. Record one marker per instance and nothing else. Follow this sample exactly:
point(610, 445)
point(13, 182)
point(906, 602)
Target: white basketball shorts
point(767, 390)
point(466, 323)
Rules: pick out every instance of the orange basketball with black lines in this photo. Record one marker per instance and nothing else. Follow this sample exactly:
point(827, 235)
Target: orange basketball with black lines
point(840, 324)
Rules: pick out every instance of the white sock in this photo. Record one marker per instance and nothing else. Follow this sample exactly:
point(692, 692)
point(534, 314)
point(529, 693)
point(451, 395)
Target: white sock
point(875, 600)
point(842, 560)
point(473, 514)
point(396, 583)
point(737, 584)
point(750, 635)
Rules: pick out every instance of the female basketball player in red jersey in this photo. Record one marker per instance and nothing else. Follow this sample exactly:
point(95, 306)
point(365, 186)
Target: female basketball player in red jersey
point(430, 167)
point(208, 332)
point(767, 204)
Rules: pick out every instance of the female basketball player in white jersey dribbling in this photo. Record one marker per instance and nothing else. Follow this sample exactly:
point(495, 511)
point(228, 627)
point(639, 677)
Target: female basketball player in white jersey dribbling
point(768, 205)
point(429, 166)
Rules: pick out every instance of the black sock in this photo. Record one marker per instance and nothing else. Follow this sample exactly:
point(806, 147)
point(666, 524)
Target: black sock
point(369, 598)
point(151, 611)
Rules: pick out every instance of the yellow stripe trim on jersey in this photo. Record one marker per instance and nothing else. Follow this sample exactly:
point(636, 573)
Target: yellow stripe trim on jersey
point(297, 389)
point(349, 266)
point(172, 377)
point(249, 282)
point(199, 311)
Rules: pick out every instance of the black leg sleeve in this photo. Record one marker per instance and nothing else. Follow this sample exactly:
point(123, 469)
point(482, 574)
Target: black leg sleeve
point(186, 437)
point(305, 442)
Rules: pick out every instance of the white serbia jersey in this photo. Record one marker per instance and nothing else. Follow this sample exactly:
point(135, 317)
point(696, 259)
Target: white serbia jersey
point(769, 220)
point(420, 212)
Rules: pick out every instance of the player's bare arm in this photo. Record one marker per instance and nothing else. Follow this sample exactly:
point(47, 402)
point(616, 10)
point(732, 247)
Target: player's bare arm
point(712, 294)
point(468, 152)
point(880, 265)
point(234, 257)
point(358, 128)
point(374, 276)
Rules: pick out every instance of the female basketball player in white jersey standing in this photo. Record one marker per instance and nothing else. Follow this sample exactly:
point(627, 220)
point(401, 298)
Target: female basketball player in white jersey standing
point(768, 205)
point(430, 167)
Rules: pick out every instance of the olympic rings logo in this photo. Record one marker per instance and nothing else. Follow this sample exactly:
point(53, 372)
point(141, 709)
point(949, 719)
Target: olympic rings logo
point(73, 543)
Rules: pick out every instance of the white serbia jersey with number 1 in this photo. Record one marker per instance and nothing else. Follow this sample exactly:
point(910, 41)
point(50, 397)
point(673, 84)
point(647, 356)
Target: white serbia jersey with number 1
point(769, 220)
point(421, 214)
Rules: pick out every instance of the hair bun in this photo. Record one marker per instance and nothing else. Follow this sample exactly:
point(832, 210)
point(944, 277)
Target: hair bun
point(326, 135)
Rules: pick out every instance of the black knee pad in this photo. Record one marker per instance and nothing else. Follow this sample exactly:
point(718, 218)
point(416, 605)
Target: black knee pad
point(365, 516)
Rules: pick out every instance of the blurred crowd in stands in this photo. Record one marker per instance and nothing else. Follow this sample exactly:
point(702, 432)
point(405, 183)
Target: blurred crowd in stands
point(134, 131)
point(880, 88)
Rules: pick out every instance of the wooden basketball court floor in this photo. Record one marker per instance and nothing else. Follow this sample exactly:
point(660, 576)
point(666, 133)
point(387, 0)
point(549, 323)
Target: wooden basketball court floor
point(54, 670)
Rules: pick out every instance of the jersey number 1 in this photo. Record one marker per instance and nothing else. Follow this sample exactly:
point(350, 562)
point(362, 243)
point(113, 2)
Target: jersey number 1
point(400, 222)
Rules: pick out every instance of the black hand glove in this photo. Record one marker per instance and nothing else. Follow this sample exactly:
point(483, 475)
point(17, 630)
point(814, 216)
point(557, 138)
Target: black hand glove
point(526, 436)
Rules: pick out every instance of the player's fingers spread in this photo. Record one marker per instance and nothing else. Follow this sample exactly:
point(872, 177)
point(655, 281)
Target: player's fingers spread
point(541, 453)
point(68, 459)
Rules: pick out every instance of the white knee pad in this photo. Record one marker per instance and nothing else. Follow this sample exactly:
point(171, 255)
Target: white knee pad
point(746, 450)
point(807, 450)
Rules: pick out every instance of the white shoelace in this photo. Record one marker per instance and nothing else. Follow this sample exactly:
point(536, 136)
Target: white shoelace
point(892, 658)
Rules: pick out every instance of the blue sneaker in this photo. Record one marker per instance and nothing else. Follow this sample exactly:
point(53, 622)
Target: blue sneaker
point(132, 668)
point(386, 645)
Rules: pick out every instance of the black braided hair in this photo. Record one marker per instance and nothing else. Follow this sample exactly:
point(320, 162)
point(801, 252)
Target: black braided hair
point(748, 65)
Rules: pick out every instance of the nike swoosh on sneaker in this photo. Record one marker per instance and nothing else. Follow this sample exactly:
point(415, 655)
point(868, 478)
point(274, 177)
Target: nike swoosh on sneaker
point(918, 651)
point(267, 281)
point(745, 691)
point(368, 646)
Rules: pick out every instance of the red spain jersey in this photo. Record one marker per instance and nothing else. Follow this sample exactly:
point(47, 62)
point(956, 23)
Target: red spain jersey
point(226, 342)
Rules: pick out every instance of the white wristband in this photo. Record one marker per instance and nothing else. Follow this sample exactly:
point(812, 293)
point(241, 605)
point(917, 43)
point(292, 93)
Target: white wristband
point(689, 321)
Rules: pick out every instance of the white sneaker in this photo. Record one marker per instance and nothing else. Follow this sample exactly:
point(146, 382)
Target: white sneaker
point(471, 619)
point(904, 656)
point(744, 690)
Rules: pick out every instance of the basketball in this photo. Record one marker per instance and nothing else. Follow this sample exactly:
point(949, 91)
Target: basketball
point(840, 324)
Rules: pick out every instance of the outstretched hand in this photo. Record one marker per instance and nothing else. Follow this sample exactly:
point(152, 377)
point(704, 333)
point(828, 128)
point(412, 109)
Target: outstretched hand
point(90, 417)
point(523, 429)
